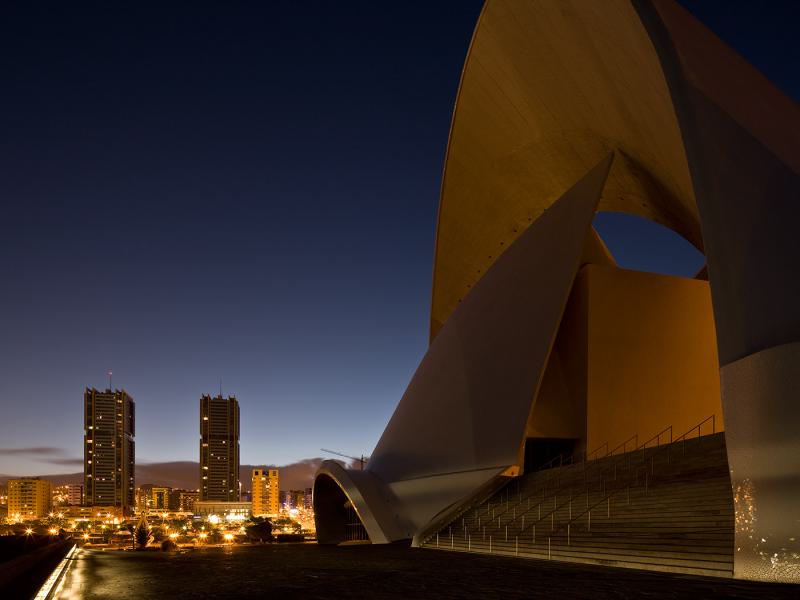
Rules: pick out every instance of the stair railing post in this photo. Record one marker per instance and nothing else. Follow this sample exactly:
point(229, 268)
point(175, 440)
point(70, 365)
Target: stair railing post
point(516, 546)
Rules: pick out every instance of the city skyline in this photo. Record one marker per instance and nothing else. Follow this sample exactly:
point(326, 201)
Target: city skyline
point(262, 326)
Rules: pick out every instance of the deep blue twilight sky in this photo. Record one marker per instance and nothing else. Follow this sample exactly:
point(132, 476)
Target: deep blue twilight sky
point(247, 191)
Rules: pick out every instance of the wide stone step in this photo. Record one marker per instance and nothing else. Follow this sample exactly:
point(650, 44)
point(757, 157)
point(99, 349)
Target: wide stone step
point(662, 556)
point(712, 569)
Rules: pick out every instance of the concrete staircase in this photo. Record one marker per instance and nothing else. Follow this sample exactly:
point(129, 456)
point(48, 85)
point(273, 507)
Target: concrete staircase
point(667, 508)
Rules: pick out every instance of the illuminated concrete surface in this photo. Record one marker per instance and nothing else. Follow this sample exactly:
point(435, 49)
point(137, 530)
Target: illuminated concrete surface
point(387, 571)
point(702, 144)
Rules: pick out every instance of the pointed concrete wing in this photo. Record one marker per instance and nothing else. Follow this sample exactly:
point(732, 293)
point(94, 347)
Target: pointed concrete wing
point(466, 406)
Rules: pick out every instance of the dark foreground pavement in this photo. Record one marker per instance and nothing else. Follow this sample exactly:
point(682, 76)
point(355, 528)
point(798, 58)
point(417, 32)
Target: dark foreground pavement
point(312, 571)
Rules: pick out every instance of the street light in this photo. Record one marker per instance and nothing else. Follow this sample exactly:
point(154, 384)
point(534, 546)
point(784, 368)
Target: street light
point(228, 537)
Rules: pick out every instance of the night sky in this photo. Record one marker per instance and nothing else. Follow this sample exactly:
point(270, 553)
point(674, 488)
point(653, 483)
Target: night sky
point(244, 191)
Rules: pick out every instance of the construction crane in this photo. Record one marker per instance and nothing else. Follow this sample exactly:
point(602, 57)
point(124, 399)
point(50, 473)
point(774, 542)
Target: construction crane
point(361, 460)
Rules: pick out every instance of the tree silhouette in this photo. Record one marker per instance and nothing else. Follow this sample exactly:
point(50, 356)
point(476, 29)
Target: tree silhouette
point(142, 536)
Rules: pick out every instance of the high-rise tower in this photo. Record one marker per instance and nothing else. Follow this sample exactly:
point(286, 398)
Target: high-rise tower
point(109, 457)
point(219, 449)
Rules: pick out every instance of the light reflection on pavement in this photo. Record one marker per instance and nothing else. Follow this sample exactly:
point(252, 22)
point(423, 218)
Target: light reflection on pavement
point(72, 586)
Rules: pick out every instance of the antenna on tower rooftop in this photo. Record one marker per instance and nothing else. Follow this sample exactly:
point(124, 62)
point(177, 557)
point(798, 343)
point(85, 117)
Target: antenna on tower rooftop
point(220, 387)
point(110, 373)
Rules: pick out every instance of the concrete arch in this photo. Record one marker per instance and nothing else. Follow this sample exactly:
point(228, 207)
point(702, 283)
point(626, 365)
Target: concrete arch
point(703, 145)
point(706, 146)
point(548, 88)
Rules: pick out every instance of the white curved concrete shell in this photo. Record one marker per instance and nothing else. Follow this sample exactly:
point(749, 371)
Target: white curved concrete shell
point(701, 143)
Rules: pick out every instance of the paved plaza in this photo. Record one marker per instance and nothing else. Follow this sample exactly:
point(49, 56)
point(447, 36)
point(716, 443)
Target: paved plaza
point(313, 571)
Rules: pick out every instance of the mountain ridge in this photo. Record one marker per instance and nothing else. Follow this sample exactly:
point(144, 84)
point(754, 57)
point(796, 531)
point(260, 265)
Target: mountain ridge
point(185, 474)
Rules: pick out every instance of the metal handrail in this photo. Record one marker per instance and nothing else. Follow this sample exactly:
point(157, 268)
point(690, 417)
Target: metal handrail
point(657, 438)
point(608, 496)
point(570, 488)
point(605, 468)
point(593, 452)
point(624, 445)
point(682, 438)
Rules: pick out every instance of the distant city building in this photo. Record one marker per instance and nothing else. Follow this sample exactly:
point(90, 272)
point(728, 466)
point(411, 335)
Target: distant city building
point(293, 499)
point(143, 497)
point(219, 449)
point(223, 511)
point(3, 495)
point(183, 500)
point(91, 513)
point(29, 498)
point(159, 498)
point(109, 451)
point(265, 492)
point(309, 499)
point(74, 494)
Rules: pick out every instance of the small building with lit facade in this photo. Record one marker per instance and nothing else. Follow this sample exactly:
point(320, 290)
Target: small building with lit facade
point(214, 511)
point(265, 492)
point(29, 498)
